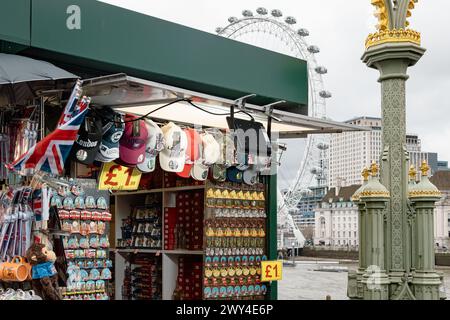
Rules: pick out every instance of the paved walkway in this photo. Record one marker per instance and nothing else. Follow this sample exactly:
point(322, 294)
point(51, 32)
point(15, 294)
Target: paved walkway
point(303, 283)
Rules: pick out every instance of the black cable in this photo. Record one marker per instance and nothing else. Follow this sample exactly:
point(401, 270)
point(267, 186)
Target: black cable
point(173, 102)
point(220, 114)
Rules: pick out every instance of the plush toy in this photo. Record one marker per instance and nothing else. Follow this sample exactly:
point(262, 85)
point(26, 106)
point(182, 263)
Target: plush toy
point(44, 274)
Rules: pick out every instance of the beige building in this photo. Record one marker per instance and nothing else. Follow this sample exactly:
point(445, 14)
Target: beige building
point(350, 152)
point(337, 219)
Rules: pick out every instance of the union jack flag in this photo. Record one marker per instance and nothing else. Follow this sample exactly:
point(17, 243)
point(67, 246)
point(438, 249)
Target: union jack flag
point(71, 107)
point(50, 153)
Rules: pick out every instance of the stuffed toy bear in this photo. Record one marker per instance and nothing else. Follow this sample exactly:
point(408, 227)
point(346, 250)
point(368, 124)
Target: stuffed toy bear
point(44, 274)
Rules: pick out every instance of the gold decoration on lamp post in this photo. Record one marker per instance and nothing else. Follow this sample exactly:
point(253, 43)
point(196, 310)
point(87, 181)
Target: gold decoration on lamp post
point(412, 173)
point(424, 168)
point(374, 169)
point(392, 22)
point(365, 174)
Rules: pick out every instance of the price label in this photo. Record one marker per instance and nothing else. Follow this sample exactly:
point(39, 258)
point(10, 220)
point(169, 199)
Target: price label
point(271, 270)
point(117, 177)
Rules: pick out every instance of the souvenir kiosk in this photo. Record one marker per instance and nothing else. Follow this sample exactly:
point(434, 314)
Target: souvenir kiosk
point(196, 233)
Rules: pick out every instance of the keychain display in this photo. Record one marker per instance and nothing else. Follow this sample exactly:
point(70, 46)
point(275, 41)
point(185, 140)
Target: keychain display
point(84, 215)
point(143, 228)
point(235, 230)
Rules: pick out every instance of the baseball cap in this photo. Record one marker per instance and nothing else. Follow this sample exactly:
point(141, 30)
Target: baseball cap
point(250, 176)
point(155, 144)
point(112, 131)
point(219, 169)
point(88, 140)
point(134, 140)
point(192, 152)
point(234, 175)
point(209, 154)
point(173, 156)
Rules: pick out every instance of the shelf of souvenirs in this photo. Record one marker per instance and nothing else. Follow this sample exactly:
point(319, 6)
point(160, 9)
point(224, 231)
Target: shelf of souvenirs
point(86, 295)
point(160, 190)
point(158, 251)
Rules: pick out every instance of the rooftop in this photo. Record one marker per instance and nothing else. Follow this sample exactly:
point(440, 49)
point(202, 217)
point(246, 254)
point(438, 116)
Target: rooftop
point(441, 179)
point(345, 193)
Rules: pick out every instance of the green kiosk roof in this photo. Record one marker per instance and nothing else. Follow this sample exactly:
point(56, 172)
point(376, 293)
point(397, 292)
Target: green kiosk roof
point(92, 38)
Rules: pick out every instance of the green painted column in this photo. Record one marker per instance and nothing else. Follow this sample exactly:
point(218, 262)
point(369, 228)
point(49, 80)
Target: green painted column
point(375, 281)
point(272, 206)
point(408, 225)
point(425, 280)
point(355, 288)
point(392, 61)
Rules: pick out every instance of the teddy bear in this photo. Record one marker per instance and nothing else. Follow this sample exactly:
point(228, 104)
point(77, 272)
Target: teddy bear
point(44, 274)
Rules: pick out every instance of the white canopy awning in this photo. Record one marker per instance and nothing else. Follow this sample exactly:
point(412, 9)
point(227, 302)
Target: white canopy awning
point(141, 97)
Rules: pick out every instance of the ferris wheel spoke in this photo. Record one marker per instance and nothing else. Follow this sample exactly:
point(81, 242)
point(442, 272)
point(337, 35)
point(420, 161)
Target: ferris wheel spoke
point(270, 30)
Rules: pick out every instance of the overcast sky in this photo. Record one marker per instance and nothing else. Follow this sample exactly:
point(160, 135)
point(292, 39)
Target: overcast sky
point(339, 28)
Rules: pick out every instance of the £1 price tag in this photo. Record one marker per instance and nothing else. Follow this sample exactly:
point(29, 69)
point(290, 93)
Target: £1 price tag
point(271, 270)
point(117, 177)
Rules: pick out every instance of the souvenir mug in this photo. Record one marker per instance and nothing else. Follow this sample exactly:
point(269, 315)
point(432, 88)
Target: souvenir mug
point(23, 260)
point(13, 271)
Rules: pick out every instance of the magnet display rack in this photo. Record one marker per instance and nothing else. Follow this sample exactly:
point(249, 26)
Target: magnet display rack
point(181, 265)
point(124, 202)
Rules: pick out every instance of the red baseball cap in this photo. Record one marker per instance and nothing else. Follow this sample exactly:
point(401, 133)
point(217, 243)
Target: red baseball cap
point(133, 143)
point(192, 152)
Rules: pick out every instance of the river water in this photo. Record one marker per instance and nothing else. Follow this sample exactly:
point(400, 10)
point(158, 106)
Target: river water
point(303, 283)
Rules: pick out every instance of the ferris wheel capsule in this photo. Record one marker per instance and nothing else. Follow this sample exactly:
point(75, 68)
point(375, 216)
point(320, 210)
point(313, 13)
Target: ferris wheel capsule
point(219, 29)
point(233, 19)
point(276, 13)
point(325, 94)
point(290, 20)
point(262, 11)
point(247, 13)
point(303, 32)
point(321, 70)
point(313, 49)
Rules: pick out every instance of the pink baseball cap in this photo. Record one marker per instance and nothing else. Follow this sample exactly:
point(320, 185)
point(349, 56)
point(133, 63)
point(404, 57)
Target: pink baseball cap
point(133, 143)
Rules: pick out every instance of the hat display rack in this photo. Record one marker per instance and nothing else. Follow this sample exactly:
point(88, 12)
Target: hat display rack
point(238, 104)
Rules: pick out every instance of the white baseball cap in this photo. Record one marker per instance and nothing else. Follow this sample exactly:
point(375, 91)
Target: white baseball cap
point(173, 156)
point(155, 144)
point(209, 155)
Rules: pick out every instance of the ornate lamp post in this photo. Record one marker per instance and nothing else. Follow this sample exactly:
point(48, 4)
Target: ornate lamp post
point(391, 50)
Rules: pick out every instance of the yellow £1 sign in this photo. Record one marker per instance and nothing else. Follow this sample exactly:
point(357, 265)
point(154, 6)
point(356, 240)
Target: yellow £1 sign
point(117, 177)
point(271, 270)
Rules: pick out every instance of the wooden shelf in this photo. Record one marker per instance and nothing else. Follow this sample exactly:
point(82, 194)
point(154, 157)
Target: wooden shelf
point(137, 250)
point(186, 188)
point(131, 193)
point(176, 252)
point(174, 189)
point(186, 252)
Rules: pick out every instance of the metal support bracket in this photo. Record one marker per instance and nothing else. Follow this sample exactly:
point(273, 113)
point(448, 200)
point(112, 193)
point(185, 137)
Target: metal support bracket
point(268, 110)
point(240, 103)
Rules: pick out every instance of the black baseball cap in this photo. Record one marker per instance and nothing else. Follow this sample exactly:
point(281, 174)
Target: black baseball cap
point(88, 141)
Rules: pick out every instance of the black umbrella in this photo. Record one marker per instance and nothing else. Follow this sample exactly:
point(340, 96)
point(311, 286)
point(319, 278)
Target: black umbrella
point(22, 78)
